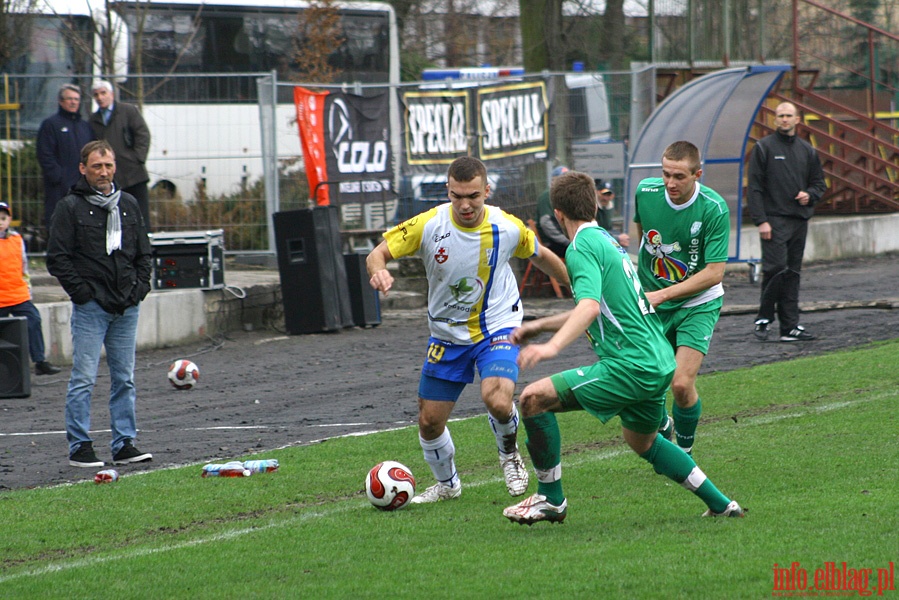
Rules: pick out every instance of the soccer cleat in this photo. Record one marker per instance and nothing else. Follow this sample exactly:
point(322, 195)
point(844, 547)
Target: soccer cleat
point(85, 456)
point(536, 508)
point(761, 329)
point(668, 430)
point(797, 334)
point(733, 510)
point(129, 454)
point(438, 492)
point(514, 472)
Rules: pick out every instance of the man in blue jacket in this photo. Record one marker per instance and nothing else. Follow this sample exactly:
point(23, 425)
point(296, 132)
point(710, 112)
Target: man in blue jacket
point(59, 142)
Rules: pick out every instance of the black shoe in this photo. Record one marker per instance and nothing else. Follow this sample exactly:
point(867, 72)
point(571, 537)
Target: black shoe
point(130, 454)
point(85, 456)
point(761, 329)
point(45, 368)
point(798, 334)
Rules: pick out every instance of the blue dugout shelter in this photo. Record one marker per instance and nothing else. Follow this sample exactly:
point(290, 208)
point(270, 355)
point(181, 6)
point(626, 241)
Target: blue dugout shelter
point(715, 112)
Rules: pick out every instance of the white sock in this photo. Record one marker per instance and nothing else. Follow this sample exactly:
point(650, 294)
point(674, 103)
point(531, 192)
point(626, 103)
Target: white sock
point(440, 454)
point(506, 433)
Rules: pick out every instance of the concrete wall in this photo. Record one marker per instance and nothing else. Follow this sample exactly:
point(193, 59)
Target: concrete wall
point(831, 238)
point(166, 319)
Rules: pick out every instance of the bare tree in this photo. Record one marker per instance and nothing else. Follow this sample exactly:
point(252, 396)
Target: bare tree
point(542, 40)
point(15, 33)
point(318, 35)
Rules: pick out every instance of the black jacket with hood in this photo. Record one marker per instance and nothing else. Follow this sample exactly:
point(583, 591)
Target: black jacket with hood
point(76, 252)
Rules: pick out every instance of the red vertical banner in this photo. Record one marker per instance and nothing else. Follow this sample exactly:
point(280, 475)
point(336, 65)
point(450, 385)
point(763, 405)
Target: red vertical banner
point(311, 123)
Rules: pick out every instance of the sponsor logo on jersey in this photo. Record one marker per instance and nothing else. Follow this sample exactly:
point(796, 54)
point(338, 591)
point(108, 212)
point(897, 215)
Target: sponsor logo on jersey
point(467, 290)
point(662, 265)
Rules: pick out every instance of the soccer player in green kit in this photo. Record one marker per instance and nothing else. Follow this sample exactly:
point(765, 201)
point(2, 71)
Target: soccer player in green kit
point(684, 230)
point(630, 379)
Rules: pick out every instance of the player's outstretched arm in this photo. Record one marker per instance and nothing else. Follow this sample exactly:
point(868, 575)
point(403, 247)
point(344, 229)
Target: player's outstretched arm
point(376, 265)
point(576, 323)
point(531, 329)
point(547, 261)
point(711, 275)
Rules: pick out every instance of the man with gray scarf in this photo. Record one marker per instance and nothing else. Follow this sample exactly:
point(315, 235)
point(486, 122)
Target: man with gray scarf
point(100, 253)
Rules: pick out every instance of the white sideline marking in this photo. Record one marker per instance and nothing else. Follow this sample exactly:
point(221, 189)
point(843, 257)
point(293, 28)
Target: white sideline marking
point(236, 533)
point(225, 427)
point(219, 537)
point(33, 433)
point(269, 340)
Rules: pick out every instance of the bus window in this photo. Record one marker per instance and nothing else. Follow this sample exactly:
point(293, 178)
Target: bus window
point(60, 47)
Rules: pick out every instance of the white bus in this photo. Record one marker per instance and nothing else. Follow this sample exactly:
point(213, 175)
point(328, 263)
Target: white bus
point(197, 63)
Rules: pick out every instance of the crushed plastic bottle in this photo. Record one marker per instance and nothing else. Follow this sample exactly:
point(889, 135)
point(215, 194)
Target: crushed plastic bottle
point(266, 465)
point(106, 476)
point(229, 469)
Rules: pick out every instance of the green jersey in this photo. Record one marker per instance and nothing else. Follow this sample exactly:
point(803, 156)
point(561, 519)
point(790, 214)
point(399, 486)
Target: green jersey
point(680, 240)
point(627, 328)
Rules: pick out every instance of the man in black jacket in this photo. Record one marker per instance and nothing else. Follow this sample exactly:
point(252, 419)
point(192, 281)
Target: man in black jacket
point(59, 142)
point(124, 128)
point(100, 253)
point(785, 182)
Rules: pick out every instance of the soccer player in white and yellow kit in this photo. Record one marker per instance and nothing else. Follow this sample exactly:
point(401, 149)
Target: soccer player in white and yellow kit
point(473, 306)
point(630, 378)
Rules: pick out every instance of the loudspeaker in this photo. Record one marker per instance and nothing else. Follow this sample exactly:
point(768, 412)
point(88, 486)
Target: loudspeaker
point(363, 298)
point(314, 286)
point(15, 368)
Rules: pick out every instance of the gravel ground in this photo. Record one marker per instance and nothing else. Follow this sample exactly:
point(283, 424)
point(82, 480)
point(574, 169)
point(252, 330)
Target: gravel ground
point(262, 390)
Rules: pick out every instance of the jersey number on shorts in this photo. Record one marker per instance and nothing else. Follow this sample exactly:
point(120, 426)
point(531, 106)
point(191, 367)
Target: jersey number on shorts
point(435, 353)
point(645, 307)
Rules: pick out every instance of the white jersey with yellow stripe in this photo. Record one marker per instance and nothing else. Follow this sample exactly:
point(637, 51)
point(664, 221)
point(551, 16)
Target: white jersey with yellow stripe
point(472, 291)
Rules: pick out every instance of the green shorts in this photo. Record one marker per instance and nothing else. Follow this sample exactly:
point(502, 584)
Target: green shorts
point(612, 387)
point(692, 327)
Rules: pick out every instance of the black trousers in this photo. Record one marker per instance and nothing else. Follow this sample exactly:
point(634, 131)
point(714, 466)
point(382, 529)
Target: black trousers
point(781, 264)
point(142, 195)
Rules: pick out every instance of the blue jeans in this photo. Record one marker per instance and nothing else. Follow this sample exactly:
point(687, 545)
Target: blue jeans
point(35, 333)
point(93, 328)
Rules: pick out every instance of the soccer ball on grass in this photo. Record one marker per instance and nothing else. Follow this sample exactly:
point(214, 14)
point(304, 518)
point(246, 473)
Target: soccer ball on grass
point(389, 485)
point(184, 374)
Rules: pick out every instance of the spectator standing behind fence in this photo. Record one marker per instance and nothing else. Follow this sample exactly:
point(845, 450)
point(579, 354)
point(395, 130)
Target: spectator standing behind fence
point(100, 253)
point(605, 207)
point(785, 182)
point(551, 234)
point(59, 142)
point(122, 125)
point(15, 290)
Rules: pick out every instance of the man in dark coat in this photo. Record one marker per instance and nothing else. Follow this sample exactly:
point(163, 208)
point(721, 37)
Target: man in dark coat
point(100, 253)
point(785, 182)
point(59, 142)
point(124, 128)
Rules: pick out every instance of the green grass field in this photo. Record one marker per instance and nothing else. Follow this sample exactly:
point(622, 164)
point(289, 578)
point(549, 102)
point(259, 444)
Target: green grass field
point(810, 447)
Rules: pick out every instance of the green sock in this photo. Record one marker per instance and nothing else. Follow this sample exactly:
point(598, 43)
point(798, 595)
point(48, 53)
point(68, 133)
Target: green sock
point(672, 462)
point(685, 422)
point(544, 444)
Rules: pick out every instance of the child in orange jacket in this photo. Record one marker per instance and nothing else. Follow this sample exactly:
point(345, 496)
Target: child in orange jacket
point(15, 290)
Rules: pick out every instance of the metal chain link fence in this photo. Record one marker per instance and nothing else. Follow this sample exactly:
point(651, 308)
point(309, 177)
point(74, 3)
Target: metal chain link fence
point(225, 150)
